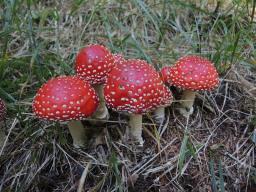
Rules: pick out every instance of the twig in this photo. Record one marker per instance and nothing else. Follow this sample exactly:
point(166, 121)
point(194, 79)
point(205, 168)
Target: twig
point(83, 177)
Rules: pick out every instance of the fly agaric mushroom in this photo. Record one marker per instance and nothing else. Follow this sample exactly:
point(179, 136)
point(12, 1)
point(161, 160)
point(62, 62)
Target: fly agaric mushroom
point(159, 113)
point(67, 98)
point(191, 73)
point(135, 87)
point(93, 63)
point(2, 117)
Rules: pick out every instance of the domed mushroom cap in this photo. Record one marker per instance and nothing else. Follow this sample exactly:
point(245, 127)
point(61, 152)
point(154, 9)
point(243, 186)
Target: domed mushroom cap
point(134, 86)
point(65, 98)
point(2, 110)
point(193, 73)
point(93, 63)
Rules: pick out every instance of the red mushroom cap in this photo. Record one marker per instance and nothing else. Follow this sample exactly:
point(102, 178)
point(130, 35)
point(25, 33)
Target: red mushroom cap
point(134, 86)
point(93, 63)
point(193, 73)
point(2, 110)
point(165, 73)
point(65, 98)
point(118, 58)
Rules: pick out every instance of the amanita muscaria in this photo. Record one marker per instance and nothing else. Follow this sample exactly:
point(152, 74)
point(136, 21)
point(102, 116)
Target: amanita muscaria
point(93, 63)
point(69, 99)
point(191, 73)
point(133, 86)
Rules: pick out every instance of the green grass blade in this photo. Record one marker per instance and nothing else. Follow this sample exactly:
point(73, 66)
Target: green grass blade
point(222, 188)
point(76, 5)
point(183, 150)
point(6, 95)
point(253, 10)
point(235, 47)
point(213, 177)
point(149, 13)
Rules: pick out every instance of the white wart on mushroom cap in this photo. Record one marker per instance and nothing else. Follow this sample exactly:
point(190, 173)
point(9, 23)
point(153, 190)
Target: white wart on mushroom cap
point(192, 73)
point(118, 58)
point(65, 98)
point(2, 110)
point(134, 86)
point(93, 63)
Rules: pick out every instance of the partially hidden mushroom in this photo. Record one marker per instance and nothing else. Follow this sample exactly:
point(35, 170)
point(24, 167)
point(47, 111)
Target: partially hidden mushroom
point(93, 63)
point(191, 73)
point(67, 99)
point(2, 118)
point(2, 110)
point(159, 113)
point(133, 86)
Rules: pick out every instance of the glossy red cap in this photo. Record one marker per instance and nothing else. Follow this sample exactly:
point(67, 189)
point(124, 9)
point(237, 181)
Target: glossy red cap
point(93, 63)
point(134, 86)
point(65, 98)
point(193, 73)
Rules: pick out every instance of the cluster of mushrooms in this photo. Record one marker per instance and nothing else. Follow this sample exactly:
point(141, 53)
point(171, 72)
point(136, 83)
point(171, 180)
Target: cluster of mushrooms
point(109, 81)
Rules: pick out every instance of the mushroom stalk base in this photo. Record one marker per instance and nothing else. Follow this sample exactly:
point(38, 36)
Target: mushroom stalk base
point(135, 124)
point(79, 133)
point(186, 105)
point(159, 115)
point(102, 111)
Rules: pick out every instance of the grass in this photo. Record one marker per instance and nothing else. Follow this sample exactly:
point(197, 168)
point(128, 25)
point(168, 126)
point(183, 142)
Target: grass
point(214, 150)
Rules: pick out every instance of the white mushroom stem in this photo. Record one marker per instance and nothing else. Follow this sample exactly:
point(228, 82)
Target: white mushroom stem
point(79, 133)
point(135, 124)
point(102, 111)
point(159, 115)
point(187, 102)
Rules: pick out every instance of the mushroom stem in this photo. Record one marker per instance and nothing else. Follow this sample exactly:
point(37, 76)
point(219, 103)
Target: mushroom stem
point(135, 124)
point(188, 98)
point(159, 115)
point(79, 133)
point(102, 111)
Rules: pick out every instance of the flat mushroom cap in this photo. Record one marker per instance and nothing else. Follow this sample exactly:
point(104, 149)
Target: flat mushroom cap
point(193, 73)
point(2, 110)
point(134, 86)
point(93, 63)
point(65, 98)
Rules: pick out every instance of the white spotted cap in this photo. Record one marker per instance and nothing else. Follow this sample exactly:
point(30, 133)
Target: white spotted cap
point(118, 58)
point(192, 73)
point(65, 98)
point(134, 86)
point(93, 63)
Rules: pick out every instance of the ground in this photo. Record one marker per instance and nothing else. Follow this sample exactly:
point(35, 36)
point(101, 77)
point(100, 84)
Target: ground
point(213, 150)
